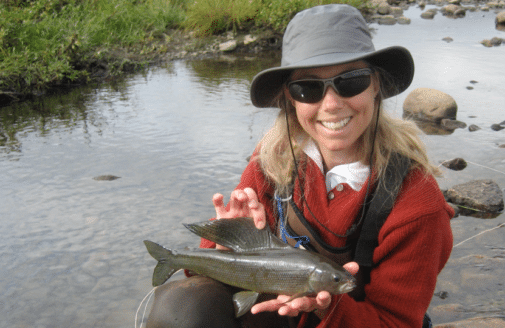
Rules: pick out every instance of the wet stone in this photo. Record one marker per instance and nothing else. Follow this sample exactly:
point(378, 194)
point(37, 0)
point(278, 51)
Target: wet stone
point(477, 322)
point(497, 127)
point(496, 41)
point(387, 20)
point(482, 195)
point(430, 105)
point(428, 14)
point(396, 11)
point(106, 177)
point(500, 18)
point(456, 164)
point(228, 46)
point(450, 124)
point(473, 128)
point(384, 8)
point(403, 20)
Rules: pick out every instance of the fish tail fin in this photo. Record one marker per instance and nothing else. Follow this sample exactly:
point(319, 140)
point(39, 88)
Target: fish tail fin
point(165, 268)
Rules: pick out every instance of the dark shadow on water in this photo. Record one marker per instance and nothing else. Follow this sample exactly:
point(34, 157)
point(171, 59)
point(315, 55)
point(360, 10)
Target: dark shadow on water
point(212, 72)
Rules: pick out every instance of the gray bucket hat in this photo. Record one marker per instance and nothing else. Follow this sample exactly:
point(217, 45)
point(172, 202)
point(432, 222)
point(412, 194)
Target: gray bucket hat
point(330, 35)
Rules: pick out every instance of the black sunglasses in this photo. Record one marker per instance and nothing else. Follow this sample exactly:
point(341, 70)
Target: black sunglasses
point(347, 85)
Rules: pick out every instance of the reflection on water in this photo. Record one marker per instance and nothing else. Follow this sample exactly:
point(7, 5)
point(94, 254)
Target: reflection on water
point(71, 251)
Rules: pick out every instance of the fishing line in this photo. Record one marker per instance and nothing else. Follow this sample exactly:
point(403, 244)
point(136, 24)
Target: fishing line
point(480, 233)
point(148, 297)
point(487, 167)
point(328, 315)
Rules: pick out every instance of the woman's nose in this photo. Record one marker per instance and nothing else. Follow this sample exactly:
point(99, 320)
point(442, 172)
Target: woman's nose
point(331, 99)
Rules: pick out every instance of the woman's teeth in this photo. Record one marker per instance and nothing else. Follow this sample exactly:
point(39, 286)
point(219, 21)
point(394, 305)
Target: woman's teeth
point(336, 125)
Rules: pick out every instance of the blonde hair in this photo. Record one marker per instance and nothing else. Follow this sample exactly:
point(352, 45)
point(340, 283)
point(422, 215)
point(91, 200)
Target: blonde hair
point(392, 136)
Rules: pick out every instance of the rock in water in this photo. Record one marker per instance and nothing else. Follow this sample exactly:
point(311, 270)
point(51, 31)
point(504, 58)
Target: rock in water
point(482, 195)
point(106, 177)
point(473, 128)
point(456, 164)
point(430, 105)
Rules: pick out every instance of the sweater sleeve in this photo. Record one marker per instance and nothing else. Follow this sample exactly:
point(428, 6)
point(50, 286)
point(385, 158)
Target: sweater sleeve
point(414, 245)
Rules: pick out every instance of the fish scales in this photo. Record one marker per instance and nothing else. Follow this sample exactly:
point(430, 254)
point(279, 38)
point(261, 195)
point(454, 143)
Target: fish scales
point(273, 271)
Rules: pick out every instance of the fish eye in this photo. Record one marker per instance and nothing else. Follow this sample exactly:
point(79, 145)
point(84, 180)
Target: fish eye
point(336, 278)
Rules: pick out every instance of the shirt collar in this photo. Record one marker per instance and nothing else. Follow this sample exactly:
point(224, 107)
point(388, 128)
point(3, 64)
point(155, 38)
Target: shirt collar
point(354, 174)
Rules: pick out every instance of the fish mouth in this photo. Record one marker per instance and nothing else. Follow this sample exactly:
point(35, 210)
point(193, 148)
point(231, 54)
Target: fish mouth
point(348, 286)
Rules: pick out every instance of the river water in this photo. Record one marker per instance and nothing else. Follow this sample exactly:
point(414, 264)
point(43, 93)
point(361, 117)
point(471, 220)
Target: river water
point(71, 252)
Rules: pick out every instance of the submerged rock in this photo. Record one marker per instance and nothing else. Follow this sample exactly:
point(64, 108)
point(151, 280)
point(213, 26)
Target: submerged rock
point(106, 177)
point(482, 195)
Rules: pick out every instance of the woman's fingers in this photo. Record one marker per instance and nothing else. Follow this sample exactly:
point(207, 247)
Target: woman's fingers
point(292, 308)
point(269, 306)
point(243, 203)
point(352, 268)
point(257, 210)
point(217, 200)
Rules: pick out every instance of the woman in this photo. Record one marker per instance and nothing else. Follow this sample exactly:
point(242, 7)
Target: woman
point(326, 154)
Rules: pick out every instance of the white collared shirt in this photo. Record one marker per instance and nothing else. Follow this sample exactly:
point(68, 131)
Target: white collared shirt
point(354, 174)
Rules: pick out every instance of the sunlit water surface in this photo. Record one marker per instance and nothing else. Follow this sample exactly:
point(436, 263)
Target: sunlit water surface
point(71, 254)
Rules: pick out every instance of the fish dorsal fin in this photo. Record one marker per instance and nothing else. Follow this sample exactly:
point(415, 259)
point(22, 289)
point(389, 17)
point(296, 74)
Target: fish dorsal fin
point(239, 234)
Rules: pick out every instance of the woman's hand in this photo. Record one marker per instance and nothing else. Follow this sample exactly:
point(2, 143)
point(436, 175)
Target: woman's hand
point(319, 303)
point(243, 203)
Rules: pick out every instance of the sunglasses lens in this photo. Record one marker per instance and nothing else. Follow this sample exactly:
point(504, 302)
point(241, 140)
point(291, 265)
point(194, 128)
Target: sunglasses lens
point(307, 91)
point(312, 91)
point(353, 86)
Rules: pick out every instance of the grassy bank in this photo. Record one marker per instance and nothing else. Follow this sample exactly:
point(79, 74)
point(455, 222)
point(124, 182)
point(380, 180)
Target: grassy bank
point(48, 43)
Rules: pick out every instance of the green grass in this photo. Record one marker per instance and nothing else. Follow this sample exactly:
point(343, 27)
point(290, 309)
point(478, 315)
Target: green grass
point(206, 17)
point(46, 43)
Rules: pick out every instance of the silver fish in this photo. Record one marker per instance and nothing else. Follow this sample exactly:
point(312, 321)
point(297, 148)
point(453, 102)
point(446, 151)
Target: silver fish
point(258, 262)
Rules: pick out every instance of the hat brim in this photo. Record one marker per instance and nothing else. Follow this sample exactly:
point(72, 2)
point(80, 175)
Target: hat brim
point(396, 60)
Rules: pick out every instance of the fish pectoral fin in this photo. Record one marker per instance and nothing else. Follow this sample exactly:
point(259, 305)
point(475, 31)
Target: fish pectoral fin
point(243, 302)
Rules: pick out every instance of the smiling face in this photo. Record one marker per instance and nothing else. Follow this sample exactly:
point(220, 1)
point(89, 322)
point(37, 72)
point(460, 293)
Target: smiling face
point(336, 123)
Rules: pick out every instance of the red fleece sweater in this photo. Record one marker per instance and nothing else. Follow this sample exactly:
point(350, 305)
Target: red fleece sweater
point(414, 244)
